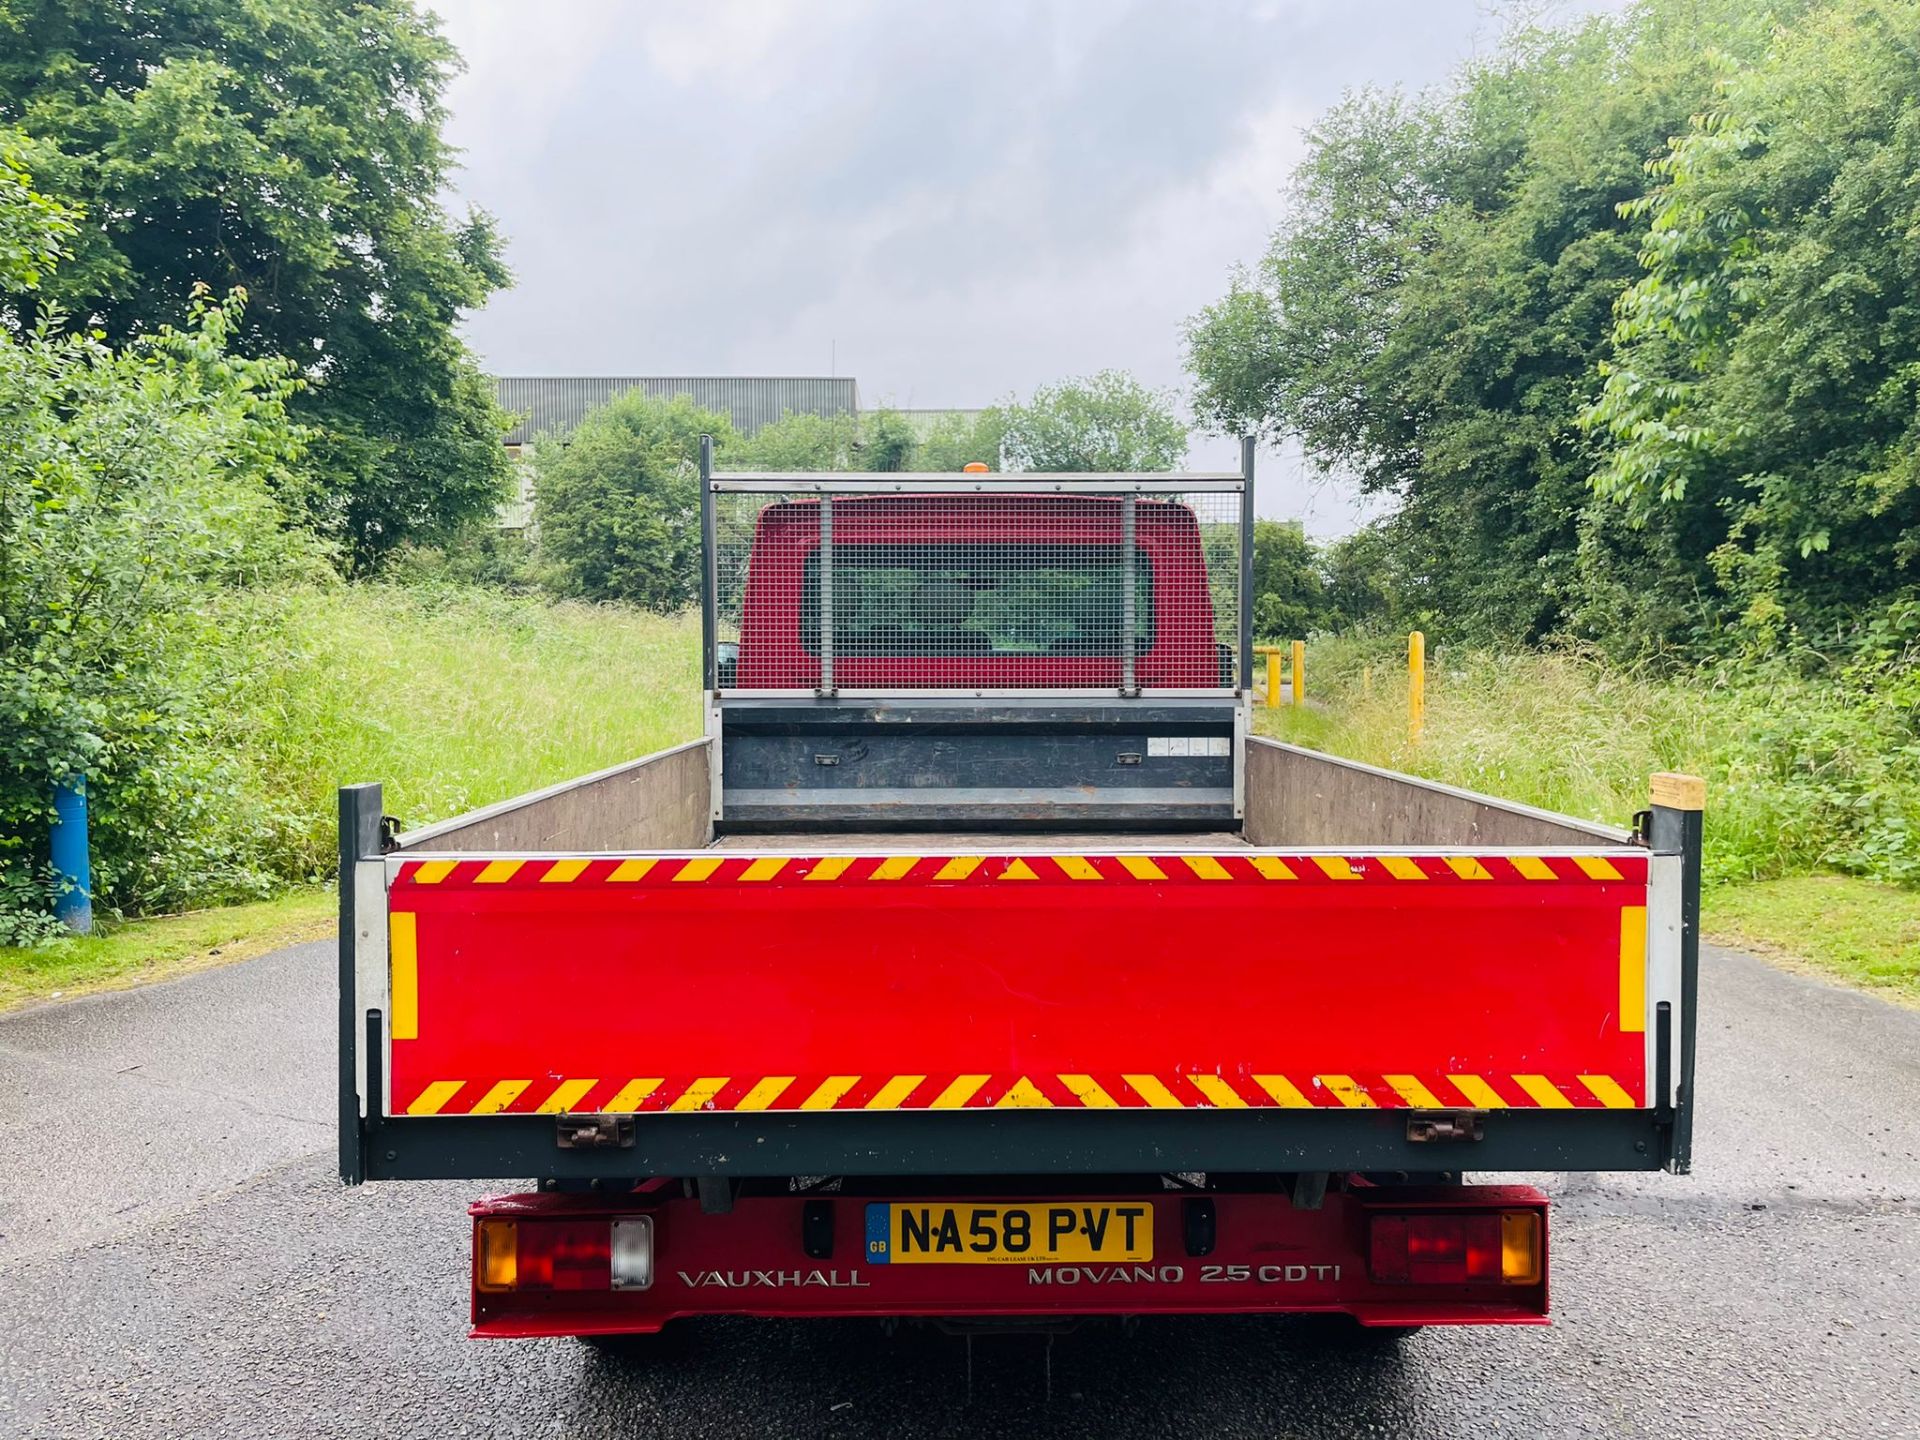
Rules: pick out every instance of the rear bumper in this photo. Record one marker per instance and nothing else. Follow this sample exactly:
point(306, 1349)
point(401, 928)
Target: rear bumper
point(792, 1256)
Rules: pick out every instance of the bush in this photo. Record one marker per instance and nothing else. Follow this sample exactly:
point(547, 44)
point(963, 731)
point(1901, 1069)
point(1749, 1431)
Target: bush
point(134, 485)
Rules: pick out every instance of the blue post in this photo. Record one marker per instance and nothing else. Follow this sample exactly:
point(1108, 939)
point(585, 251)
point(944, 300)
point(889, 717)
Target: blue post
point(72, 865)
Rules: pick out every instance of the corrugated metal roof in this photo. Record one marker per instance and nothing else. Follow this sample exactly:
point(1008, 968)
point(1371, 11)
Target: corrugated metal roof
point(554, 405)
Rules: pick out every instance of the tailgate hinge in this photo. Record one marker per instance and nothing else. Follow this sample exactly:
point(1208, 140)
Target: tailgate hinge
point(1447, 1125)
point(594, 1132)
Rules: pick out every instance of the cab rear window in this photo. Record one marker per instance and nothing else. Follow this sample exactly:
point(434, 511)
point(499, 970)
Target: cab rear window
point(977, 599)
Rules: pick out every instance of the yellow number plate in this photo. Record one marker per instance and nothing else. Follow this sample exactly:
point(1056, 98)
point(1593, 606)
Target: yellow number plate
point(909, 1233)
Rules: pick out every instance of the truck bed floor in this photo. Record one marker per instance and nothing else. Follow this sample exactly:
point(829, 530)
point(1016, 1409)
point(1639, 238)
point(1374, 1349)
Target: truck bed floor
point(949, 842)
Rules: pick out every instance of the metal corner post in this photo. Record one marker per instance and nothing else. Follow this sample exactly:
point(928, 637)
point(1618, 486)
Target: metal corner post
point(1676, 831)
point(827, 685)
point(359, 840)
point(1246, 562)
point(709, 573)
point(1129, 622)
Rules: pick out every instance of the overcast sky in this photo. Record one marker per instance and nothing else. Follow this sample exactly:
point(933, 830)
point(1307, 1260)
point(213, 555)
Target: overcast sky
point(949, 200)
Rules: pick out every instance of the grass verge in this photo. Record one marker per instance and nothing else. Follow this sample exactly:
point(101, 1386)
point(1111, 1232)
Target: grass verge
point(137, 952)
point(1836, 926)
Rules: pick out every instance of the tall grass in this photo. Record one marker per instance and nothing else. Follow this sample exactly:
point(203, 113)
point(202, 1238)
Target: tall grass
point(1802, 773)
point(451, 697)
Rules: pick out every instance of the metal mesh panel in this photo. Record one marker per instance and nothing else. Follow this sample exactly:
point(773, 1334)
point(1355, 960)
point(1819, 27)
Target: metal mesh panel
point(1028, 583)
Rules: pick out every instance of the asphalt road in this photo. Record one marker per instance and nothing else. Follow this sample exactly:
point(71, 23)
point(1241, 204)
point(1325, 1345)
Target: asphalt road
point(177, 1259)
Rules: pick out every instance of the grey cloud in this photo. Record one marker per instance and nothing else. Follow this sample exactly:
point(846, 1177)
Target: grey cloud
point(966, 197)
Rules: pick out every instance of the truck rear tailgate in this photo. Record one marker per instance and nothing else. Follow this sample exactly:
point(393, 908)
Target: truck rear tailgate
point(801, 976)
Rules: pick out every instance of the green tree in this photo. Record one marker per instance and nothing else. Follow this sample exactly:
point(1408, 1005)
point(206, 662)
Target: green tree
point(294, 150)
point(796, 442)
point(1431, 319)
point(617, 505)
point(887, 442)
point(1289, 594)
point(1108, 421)
point(960, 439)
point(1764, 398)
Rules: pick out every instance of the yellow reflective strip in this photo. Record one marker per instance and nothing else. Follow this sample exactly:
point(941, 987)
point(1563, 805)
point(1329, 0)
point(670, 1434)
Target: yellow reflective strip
point(1400, 867)
point(1544, 1092)
point(1076, 867)
point(1335, 867)
point(1272, 867)
point(828, 1091)
point(1206, 867)
point(959, 1090)
point(564, 1097)
point(698, 869)
point(632, 870)
point(765, 1092)
point(496, 871)
point(1596, 868)
point(829, 867)
point(1283, 1091)
point(403, 968)
point(764, 868)
point(561, 871)
point(699, 1093)
point(1467, 868)
point(1633, 969)
point(1479, 1093)
point(959, 867)
point(893, 867)
point(1089, 1092)
point(1153, 1092)
point(1409, 1089)
point(429, 1100)
point(1533, 867)
point(1023, 1095)
point(629, 1096)
point(499, 1097)
point(1607, 1092)
point(1018, 870)
point(1218, 1091)
point(1141, 868)
point(1343, 1089)
point(432, 872)
point(889, 1095)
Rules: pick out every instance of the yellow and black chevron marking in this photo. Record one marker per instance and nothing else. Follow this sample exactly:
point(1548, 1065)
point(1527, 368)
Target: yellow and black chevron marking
point(989, 869)
point(683, 1095)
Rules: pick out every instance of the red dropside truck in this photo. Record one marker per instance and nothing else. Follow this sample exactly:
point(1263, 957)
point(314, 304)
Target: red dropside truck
point(978, 965)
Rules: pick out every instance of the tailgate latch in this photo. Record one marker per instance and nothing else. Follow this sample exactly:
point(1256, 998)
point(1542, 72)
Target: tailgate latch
point(594, 1132)
point(1447, 1125)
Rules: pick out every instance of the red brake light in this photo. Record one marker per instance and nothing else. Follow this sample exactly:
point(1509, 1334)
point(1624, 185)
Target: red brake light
point(1453, 1249)
point(565, 1255)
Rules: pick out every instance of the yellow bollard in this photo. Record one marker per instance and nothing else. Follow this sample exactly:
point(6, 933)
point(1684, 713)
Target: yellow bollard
point(1416, 684)
point(1299, 672)
point(1273, 677)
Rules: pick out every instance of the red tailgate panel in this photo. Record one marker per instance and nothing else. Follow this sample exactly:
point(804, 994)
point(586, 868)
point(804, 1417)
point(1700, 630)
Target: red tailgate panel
point(707, 982)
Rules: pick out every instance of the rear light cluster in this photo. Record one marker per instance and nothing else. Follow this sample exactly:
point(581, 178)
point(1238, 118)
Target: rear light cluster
point(602, 1254)
point(1453, 1248)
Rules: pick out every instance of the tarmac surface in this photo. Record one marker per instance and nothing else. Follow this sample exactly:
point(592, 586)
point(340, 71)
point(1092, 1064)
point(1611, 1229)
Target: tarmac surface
point(177, 1258)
